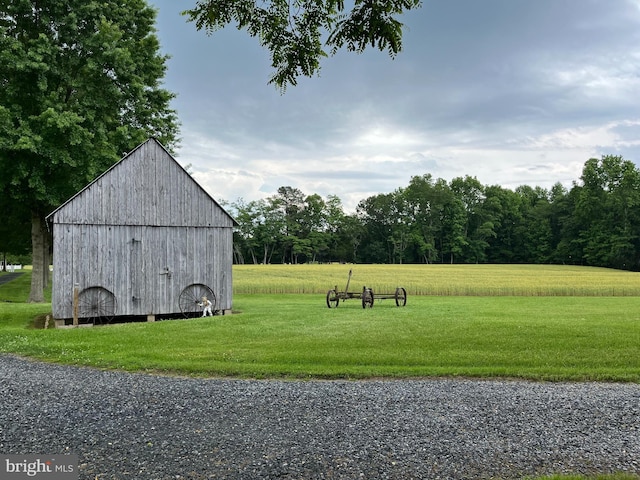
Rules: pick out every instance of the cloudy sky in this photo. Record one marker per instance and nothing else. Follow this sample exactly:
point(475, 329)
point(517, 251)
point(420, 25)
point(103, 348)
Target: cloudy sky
point(512, 92)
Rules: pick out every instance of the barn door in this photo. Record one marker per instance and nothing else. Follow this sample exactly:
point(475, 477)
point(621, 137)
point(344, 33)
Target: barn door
point(152, 271)
point(163, 269)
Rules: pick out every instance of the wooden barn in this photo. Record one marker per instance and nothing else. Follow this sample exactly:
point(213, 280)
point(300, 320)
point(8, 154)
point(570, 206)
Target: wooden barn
point(142, 240)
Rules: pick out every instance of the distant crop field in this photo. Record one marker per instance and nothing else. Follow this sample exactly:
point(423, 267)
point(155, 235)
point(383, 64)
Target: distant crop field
point(447, 280)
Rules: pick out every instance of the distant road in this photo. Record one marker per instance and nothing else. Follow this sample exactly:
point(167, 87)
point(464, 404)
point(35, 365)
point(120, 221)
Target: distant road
point(8, 277)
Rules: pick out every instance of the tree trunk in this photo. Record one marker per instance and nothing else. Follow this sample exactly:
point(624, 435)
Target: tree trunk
point(38, 246)
point(46, 255)
point(237, 253)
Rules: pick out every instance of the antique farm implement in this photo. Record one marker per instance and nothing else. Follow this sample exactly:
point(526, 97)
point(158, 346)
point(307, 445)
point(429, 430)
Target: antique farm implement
point(367, 296)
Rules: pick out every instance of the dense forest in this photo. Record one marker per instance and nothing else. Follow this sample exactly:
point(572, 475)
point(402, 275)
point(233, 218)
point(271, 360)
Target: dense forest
point(596, 222)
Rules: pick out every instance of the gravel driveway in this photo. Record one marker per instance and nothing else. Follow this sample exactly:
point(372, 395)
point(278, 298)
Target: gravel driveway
point(136, 426)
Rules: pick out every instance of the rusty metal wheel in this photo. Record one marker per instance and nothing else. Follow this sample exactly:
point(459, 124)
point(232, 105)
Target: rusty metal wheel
point(191, 298)
point(401, 297)
point(333, 300)
point(97, 305)
point(367, 297)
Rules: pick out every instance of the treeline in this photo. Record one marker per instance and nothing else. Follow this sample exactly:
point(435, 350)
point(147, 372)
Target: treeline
point(596, 222)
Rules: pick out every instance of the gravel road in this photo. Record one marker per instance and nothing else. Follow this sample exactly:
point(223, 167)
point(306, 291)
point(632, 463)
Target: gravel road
point(137, 426)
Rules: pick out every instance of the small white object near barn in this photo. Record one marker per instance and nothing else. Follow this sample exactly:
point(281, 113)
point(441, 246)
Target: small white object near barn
point(143, 239)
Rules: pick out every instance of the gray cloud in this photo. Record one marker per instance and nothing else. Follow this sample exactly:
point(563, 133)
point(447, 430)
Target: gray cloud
point(511, 91)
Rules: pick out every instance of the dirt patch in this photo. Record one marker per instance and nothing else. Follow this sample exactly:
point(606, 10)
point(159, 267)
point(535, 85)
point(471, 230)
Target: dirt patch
point(40, 322)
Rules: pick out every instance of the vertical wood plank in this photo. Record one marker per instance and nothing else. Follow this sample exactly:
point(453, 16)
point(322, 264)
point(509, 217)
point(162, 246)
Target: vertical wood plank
point(149, 198)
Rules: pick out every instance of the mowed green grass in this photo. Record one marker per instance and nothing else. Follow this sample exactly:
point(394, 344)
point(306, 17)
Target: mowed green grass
point(290, 335)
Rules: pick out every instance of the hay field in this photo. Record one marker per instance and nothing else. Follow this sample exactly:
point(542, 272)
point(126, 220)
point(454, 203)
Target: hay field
point(447, 280)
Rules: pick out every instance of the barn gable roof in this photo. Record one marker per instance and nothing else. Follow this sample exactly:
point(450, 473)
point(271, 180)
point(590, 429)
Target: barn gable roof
point(146, 187)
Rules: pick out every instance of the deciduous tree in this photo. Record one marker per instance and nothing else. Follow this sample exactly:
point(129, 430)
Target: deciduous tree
point(607, 209)
point(79, 86)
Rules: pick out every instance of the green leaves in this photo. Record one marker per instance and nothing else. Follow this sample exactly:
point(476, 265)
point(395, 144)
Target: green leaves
point(607, 210)
point(79, 85)
point(293, 30)
point(372, 23)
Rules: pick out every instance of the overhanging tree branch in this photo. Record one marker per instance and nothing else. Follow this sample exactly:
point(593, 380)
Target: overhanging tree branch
point(293, 30)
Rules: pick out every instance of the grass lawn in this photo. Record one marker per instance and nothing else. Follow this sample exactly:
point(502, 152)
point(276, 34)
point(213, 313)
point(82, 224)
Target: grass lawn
point(297, 336)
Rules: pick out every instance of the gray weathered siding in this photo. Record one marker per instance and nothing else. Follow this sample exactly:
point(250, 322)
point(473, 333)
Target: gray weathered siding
point(143, 216)
point(144, 189)
point(130, 261)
